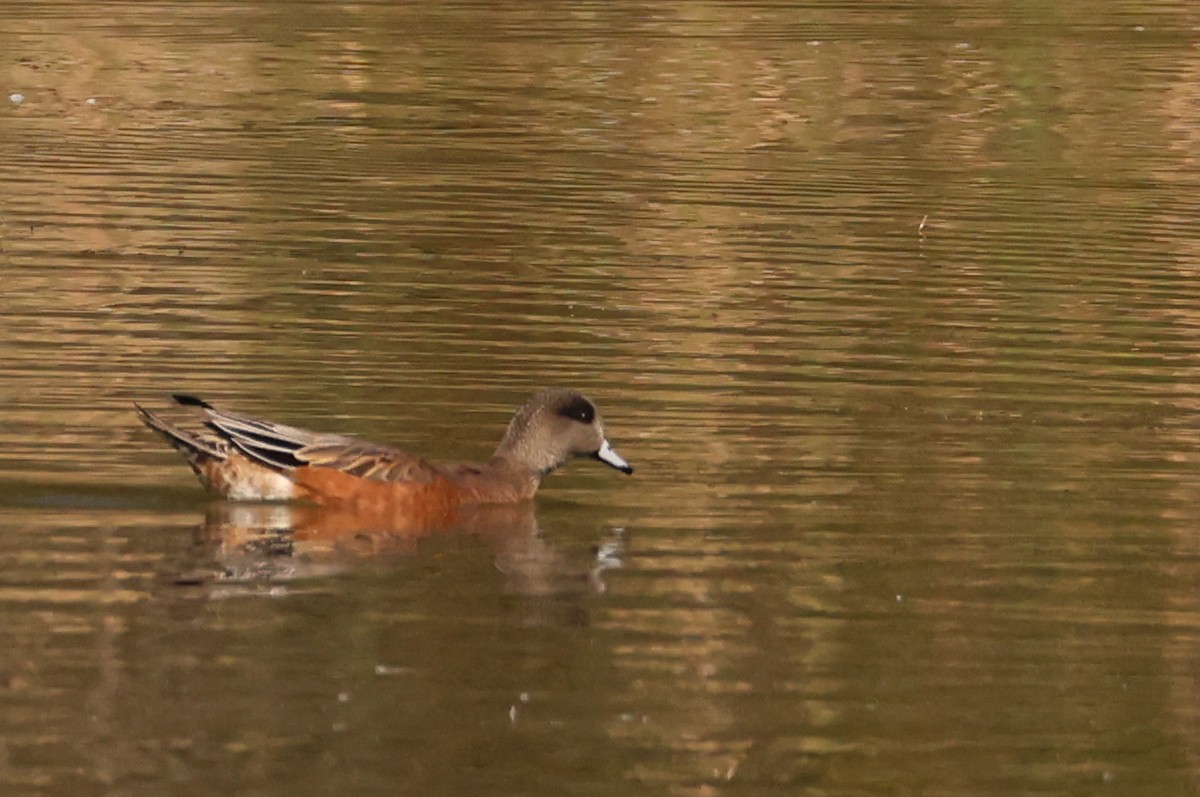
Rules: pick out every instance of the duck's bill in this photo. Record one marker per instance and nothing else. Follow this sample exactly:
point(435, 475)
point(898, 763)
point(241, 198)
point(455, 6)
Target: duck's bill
point(612, 458)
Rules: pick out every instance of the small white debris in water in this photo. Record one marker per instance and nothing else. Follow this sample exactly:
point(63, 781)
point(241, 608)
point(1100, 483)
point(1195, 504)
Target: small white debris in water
point(512, 714)
point(899, 598)
point(1140, 28)
point(389, 669)
point(343, 697)
point(92, 101)
point(16, 99)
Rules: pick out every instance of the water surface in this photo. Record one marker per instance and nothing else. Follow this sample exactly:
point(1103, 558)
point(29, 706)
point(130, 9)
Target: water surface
point(892, 307)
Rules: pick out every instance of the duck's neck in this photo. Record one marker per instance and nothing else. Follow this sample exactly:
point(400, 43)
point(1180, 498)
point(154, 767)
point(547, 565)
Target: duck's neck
point(501, 481)
point(525, 445)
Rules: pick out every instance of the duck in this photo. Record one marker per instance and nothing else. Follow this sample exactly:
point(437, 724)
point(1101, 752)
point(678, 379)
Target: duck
point(241, 458)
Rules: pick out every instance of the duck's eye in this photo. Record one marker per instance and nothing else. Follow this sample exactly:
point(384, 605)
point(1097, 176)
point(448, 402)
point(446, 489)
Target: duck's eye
point(578, 409)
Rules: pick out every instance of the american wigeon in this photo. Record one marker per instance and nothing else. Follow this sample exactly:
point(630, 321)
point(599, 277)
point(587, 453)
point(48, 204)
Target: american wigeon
point(245, 458)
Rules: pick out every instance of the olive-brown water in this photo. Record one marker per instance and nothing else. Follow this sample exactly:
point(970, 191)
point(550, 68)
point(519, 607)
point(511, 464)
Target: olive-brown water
point(895, 308)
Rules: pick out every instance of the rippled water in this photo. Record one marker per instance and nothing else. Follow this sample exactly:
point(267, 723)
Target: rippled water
point(893, 307)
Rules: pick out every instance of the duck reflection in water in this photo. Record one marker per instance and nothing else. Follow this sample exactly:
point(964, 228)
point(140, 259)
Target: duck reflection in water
point(251, 545)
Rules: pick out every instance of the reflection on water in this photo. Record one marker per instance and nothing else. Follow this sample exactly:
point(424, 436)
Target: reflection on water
point(915, 509)
point(272, 544)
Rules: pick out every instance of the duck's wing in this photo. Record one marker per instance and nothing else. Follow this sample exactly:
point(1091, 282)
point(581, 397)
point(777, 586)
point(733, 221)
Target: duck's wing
point(198, 446)
point(285, 448)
